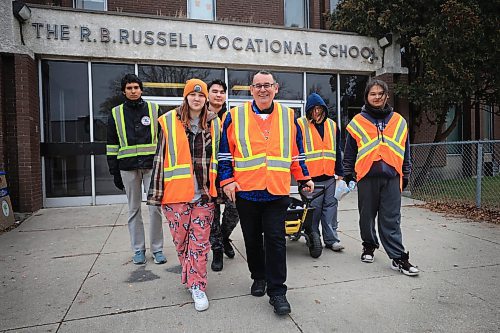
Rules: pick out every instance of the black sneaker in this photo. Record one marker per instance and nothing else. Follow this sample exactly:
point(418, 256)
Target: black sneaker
point(217, 261)
point(280, 304)
point(368, 254)
point(258, 288)
point(228, 248)
point(404, 266)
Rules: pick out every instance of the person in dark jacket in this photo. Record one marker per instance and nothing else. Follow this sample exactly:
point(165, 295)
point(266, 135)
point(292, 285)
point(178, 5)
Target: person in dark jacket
point(220, 232)
point(324, 161)
point(131, 146)
point(377, 154)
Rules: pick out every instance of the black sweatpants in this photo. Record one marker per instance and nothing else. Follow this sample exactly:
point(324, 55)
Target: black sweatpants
point(263, 226)
point(381, 197)
point(221, 231)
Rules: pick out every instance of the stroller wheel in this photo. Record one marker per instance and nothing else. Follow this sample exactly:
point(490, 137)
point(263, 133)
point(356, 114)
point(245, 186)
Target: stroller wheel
point(315, 247)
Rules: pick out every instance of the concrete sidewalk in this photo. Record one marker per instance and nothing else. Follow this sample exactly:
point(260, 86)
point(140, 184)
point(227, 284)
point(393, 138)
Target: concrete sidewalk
point(69, 270)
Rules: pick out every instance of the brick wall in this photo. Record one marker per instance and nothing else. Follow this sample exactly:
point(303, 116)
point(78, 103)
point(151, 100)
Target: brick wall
point(317, 14)
point(171, 8)
point(259, 12)
point(22, 132)
point(422, 132)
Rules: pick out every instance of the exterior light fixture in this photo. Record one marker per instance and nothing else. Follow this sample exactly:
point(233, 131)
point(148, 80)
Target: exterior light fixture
point(385, 41)
point(22, 14)
point(21, 11)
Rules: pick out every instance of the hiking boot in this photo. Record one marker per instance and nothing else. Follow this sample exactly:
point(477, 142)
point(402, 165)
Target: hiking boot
point(217, 261)
point(159, 258)
point(228, 248)
point(280, 304)
point(200, 299)
point(404, 266)
point(337, 247)
point(139, 257)
point(258, 288)
point(368, 254)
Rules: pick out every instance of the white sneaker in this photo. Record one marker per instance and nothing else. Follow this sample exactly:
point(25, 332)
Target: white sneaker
point(337, 247)
point(200, 299)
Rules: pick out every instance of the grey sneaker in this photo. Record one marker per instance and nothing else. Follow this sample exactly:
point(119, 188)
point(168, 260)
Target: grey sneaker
point(159, 258)
point(139, 257)
point(337, 247)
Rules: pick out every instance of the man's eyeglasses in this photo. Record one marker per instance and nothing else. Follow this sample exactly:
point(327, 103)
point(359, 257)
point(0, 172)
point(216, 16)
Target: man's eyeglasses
point(266, 86)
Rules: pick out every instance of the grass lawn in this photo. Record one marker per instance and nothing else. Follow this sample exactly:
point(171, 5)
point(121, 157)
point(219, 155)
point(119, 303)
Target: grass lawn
point(461, 190)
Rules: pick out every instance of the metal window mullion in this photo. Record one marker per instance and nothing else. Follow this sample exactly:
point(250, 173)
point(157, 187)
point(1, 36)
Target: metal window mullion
point(91, 123)
point(42, 130)
point(339, 124)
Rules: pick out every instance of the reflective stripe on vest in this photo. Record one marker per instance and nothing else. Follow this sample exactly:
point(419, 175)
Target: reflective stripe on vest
point(314, 153)
point(215, 130)
point(124, 150)
point(249, 161)
point(178, 174)
point(392, 142)
point(390, 146)
point(214, 162)
point(175, 170)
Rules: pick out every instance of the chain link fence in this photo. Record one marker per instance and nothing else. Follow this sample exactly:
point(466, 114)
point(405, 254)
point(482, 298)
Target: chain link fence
point(457, 172)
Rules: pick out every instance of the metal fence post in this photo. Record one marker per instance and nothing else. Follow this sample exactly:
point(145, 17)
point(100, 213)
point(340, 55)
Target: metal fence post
point(479, 169)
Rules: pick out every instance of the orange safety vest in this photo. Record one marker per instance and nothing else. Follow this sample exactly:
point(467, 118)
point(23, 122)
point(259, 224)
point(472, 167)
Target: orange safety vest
point(259, 163)
point(320, 152)
point(178, 176)
point(374, 147)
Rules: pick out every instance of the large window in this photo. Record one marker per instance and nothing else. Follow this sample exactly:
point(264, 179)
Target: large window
point(296, 13)
point(488, 123)
point(333, 5)
point(106, 94)
point(291, 85)
point(201, 9)
point(169, 81)
point(91, 4)
point(324, 85)
point(352, 89)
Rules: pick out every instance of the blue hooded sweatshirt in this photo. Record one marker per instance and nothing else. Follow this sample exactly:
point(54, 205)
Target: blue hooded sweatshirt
point(316, 100)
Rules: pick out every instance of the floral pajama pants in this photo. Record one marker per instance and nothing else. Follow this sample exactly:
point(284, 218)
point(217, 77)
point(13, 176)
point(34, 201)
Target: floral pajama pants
point(190, 228)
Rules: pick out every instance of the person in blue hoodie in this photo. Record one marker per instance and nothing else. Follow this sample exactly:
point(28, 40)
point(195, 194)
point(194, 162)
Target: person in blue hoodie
point(321, 142)
point(377, 156)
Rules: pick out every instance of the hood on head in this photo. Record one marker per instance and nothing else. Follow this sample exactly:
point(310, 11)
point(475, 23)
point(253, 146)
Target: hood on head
point(315, 100)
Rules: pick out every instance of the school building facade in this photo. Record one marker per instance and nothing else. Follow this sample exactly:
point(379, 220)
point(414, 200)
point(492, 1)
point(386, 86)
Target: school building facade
point(61, 69)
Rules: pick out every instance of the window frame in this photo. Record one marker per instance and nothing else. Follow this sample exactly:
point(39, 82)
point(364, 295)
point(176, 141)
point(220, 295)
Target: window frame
point(214, 11)
point(105, 7)
point(306, 15)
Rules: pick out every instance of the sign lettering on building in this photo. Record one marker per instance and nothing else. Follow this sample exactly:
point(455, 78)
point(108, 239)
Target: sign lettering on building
point(187, 40)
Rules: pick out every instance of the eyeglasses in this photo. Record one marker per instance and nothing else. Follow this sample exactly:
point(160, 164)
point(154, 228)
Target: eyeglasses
point(259, 86)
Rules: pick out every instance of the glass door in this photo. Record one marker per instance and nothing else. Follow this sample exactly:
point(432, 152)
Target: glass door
point(66, 144)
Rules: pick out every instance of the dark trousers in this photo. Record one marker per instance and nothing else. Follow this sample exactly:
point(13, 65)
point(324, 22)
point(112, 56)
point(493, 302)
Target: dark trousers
point(263, 226)
point(381, 197)
point(221, 231)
